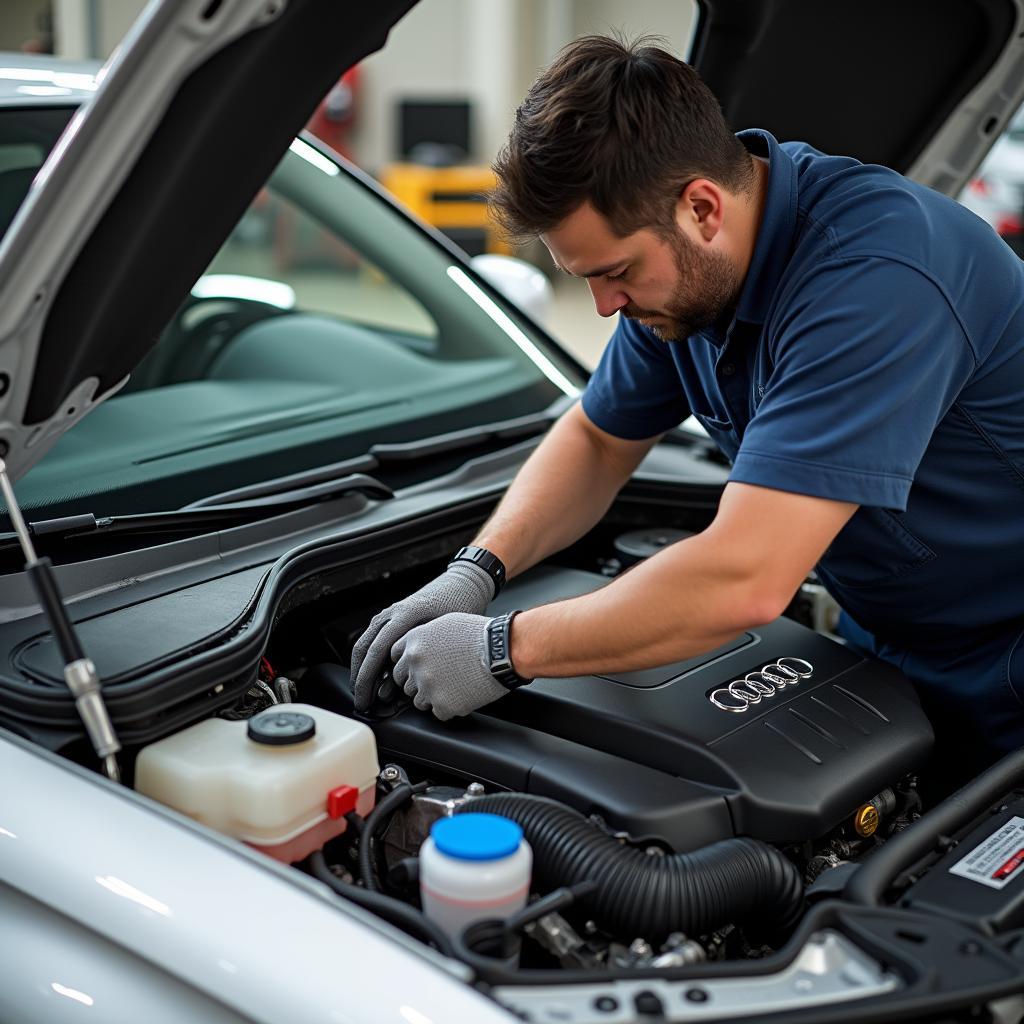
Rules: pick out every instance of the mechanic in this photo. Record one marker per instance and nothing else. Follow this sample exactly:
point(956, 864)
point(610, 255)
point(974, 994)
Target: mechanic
point(851, 340)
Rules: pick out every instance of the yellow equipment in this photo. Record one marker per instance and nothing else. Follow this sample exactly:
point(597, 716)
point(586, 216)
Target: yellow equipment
point(452, 199)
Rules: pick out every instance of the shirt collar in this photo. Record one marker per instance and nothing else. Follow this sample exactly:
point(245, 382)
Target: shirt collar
point(778, 227)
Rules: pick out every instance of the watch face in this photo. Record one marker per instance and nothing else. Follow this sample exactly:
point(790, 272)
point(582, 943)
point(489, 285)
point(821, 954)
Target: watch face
point(495, 641)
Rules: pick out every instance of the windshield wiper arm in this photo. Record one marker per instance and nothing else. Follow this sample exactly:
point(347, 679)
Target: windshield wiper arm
point(401, 452)
point(353, 483)
point(192, 519)
point(442, 444)
point(336, 472)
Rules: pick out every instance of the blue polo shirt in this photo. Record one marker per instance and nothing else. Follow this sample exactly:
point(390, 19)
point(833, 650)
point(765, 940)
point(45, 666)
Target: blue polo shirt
point(876, 356)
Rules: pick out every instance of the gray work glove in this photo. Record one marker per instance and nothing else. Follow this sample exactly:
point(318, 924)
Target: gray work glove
point(443, 666)
point(463, 587)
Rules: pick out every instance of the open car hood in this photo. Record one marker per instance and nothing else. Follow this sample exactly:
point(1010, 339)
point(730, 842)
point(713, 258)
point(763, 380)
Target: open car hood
point(145, 185)
point(195, 110)
point(922, 86)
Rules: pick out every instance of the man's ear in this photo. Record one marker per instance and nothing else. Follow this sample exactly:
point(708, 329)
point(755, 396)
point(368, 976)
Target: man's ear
point(701, 208)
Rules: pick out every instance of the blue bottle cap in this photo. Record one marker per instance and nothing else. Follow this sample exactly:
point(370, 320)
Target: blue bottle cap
point(476, 836)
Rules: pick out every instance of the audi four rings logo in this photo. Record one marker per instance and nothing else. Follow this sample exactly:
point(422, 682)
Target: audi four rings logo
point(741, 693)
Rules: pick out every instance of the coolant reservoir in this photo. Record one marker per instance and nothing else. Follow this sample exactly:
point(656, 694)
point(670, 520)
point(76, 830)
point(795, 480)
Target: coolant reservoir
point(474, 866)
point(282, 781)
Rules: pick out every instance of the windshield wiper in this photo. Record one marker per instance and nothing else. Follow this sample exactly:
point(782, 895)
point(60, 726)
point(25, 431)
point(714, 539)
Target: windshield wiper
point(304, 482)
point(282, 494)
point(403, 452)
point(192, 519)
point(442, 444)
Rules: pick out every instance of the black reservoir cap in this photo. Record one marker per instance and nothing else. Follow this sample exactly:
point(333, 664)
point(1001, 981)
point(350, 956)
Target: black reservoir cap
point(281, 728)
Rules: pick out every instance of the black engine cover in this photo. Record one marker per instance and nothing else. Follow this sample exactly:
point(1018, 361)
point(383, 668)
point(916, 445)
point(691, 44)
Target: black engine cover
point(651, 752)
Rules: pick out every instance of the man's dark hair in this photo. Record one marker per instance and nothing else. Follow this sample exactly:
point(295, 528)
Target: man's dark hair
point(623, 125)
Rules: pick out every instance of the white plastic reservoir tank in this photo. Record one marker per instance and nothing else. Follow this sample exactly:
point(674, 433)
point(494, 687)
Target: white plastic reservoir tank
point(282, 781)
point(474, 866)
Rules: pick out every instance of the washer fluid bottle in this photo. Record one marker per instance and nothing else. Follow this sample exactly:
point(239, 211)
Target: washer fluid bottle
point(473, 866)
point(281, 781)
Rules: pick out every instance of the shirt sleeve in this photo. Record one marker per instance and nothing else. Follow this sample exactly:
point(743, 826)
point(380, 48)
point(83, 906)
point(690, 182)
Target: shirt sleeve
point(636, 391)
point(867, 361)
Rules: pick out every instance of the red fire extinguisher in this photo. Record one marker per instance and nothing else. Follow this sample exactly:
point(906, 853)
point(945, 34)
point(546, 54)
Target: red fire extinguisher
point(334, 119)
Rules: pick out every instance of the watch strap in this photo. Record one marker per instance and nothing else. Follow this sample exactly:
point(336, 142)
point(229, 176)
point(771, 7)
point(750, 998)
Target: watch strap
point(488, 561)
point(499, 651)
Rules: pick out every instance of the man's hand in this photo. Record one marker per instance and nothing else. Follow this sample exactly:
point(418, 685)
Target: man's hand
point(443, 666)
point(463, 587)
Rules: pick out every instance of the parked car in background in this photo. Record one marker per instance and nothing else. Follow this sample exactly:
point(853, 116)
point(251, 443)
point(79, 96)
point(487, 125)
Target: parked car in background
point(996, 192)
point(247, 402)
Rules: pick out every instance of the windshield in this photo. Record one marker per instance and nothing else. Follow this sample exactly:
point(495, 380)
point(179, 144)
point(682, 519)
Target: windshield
point(328, 322)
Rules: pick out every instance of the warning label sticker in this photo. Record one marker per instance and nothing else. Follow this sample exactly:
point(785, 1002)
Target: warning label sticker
point(997, 860)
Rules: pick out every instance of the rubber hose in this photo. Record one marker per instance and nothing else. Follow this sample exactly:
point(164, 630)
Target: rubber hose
point(400, 914)
point(372, 825)
point(498, 938)
point(730, 881)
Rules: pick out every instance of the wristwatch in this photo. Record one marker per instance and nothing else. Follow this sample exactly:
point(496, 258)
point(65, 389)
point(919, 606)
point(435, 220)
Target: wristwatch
point(499, 657)
point(491, 564)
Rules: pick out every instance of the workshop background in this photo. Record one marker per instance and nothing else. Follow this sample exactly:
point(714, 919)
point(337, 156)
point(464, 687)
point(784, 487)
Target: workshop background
point(427, 115)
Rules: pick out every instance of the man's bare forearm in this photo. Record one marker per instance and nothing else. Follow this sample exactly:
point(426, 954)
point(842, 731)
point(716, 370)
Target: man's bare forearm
point(564, 488)
point(692, 596)
point(687, 599)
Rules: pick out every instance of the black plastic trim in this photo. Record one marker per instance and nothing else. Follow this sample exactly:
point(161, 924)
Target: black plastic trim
point(874, 80)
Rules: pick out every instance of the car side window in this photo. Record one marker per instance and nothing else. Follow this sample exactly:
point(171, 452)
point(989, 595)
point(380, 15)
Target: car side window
point(26, 138)
point(285, 254)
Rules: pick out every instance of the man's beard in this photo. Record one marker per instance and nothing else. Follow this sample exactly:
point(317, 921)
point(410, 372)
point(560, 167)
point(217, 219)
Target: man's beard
point(707, 286)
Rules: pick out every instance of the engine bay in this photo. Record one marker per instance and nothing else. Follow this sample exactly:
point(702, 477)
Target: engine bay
point(751, 771)
point(706, 815)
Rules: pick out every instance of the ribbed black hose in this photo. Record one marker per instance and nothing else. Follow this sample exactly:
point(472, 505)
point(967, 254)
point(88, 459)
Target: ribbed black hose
point(731, 881)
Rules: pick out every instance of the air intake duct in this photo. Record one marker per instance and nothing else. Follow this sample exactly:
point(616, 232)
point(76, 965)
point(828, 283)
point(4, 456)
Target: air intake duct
point(728, 882)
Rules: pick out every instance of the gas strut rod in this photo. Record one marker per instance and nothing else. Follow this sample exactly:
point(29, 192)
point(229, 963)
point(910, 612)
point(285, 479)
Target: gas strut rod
point(79, 671)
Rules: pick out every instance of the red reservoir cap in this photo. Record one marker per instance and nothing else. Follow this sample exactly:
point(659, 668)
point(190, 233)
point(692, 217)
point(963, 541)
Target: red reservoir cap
point(341, 800)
